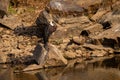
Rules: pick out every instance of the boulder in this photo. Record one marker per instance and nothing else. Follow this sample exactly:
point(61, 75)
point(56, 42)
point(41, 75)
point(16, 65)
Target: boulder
point(92, 30)
point(44, 58)
point(4, 4)
point(64, 8)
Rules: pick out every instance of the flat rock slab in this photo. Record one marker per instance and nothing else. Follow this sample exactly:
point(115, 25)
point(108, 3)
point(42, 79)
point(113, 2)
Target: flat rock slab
point(11, 21)
point(32, 67)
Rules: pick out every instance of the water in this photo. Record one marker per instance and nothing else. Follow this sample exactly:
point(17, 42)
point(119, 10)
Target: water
point(107, 69)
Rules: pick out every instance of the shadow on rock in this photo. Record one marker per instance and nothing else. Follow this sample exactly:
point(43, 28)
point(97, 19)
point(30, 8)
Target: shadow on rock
point(28, 31)
point(46, 59)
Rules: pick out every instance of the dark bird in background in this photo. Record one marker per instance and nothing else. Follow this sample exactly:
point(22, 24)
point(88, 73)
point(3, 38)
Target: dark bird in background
point(47, 25)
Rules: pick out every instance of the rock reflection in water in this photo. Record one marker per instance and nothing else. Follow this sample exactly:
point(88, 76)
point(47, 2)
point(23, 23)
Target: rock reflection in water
point(107, 69)
point(96, 74)
point(6, 74)
point(25, 76)
point(79, 74)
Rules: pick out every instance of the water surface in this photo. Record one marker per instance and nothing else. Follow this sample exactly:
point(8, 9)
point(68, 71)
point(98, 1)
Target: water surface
point(107, 69)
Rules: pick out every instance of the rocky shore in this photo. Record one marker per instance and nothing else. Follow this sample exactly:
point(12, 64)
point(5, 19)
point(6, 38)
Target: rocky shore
point(86, 30)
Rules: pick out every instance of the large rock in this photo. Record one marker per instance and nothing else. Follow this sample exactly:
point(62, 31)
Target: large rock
point(44, 58)
point(64, 8)
point(4, 4)
point(11, 21)
point(55, 57)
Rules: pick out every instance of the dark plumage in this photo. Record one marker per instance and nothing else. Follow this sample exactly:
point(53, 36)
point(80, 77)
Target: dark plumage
point(46, 25)
point(49, 29)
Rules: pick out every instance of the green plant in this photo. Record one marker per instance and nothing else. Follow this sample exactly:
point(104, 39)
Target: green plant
point(11, 10)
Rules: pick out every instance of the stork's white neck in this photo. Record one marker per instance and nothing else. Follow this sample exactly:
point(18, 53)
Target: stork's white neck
point(51, 23)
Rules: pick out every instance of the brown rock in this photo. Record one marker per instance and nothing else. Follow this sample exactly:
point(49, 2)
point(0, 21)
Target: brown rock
point(99, 14)
point(32, 67)
point(51, 58)
point(21, 46)
point(97, 47)
point(11, 21)
point(4, 4)
point(99, 53)
point(79, 40)
point(6, 43)
point(92, 30)
point(64, 8)
point(78, 53)
point(3, 57)
point(39, 54)
point(1, 29)
point(69, 55)
point(55, 57)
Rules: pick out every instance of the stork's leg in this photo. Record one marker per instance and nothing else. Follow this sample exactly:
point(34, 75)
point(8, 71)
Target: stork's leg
point(46, 36)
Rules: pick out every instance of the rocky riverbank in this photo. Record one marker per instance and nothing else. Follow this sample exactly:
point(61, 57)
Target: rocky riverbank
point(86, 30)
